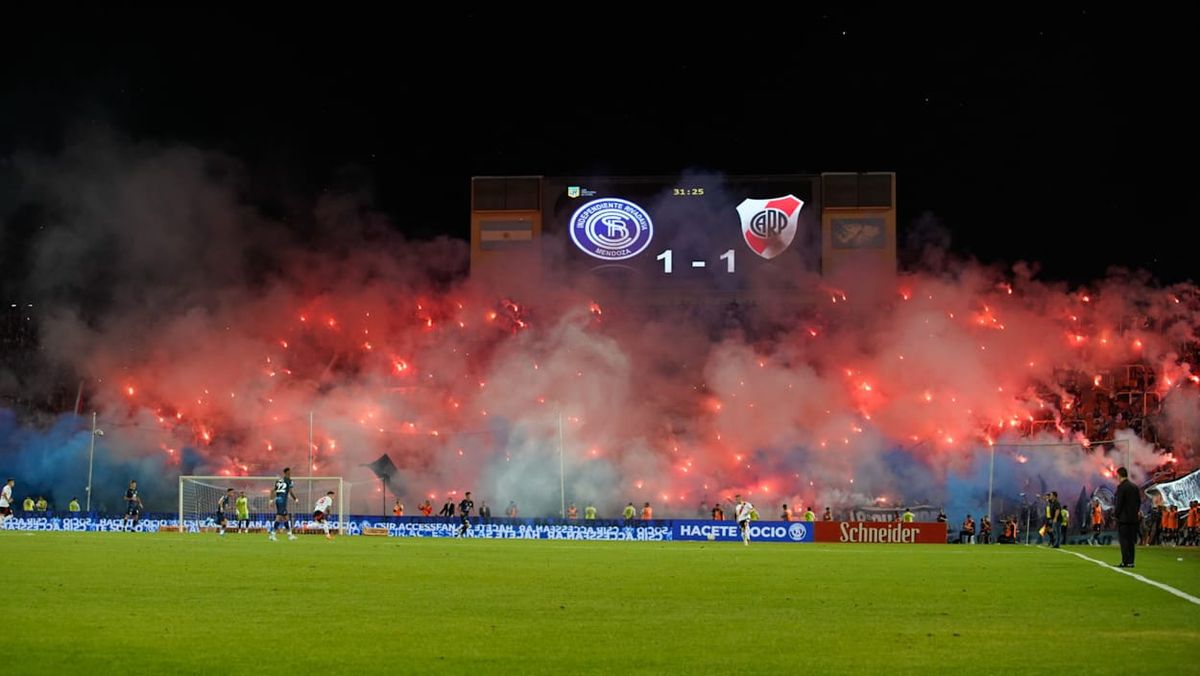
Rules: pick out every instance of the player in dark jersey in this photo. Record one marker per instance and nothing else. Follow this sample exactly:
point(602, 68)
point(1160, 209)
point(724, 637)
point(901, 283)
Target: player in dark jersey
point(223, 506)
point(464, 511)
point(283, 489)
point(133, 507)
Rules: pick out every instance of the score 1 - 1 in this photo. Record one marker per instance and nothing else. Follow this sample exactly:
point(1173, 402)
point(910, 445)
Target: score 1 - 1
point(668, 266)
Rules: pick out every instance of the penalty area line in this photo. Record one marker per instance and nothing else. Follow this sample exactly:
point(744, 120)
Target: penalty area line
point(1140, 578)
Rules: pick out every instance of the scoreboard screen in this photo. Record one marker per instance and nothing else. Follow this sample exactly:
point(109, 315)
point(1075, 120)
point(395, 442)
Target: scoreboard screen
point(708, 235)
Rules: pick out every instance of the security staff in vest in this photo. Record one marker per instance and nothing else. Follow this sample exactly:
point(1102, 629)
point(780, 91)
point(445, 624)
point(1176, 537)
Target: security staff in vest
point(1125, 511)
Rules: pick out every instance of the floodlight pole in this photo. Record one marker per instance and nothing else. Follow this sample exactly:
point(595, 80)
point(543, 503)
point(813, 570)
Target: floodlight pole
point(562, 481)
point(91, 456)
point(991, 475)
point(1028, 515)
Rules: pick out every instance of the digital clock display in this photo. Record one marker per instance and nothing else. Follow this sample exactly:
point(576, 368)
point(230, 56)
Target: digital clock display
point(714, 235)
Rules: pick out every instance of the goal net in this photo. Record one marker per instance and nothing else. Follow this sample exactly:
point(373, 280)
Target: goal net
point(199, 495)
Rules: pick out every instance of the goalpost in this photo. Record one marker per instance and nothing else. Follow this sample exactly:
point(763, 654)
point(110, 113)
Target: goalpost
point(198, 497)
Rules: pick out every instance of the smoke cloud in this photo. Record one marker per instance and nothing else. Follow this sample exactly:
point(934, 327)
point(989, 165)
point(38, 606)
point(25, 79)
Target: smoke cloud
point(207, 335)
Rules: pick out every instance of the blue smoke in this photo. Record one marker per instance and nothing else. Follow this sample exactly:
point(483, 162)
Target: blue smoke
point(52, 461)
point(967, 491)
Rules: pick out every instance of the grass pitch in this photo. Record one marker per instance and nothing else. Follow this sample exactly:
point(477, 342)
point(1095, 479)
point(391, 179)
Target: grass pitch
point(199, 604)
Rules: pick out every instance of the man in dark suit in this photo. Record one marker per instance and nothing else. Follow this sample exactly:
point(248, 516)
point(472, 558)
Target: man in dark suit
point(1125, 511)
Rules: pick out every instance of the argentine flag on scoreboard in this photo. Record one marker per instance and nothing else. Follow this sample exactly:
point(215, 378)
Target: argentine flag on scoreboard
point(505, 234)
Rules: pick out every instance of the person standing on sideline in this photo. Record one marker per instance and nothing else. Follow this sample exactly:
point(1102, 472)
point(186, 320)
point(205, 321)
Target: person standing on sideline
point(629, 512)
point(1125, 511)
point(1054, 509)
point(1193, 522)
point(485, 512)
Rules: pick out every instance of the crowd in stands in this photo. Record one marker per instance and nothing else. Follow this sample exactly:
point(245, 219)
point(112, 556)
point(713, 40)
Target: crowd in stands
point(1094, 406)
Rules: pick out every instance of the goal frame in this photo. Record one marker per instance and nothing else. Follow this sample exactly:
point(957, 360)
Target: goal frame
point(304, 516)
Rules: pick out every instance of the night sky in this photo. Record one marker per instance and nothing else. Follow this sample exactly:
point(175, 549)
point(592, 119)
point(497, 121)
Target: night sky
point(1060, 137)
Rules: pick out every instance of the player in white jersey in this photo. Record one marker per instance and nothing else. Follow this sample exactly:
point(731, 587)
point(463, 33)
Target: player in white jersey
point(741, 512)
point(6, 499)
point(321, 512)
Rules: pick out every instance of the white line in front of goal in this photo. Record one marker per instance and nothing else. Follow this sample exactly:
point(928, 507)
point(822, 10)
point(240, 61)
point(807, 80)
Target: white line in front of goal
point(1165, 587)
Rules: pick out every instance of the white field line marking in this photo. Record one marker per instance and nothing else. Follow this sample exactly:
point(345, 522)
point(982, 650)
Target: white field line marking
point(1167, 588)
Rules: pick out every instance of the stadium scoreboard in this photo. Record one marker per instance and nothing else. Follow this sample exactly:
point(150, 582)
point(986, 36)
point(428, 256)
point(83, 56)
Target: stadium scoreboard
point(689, 237)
